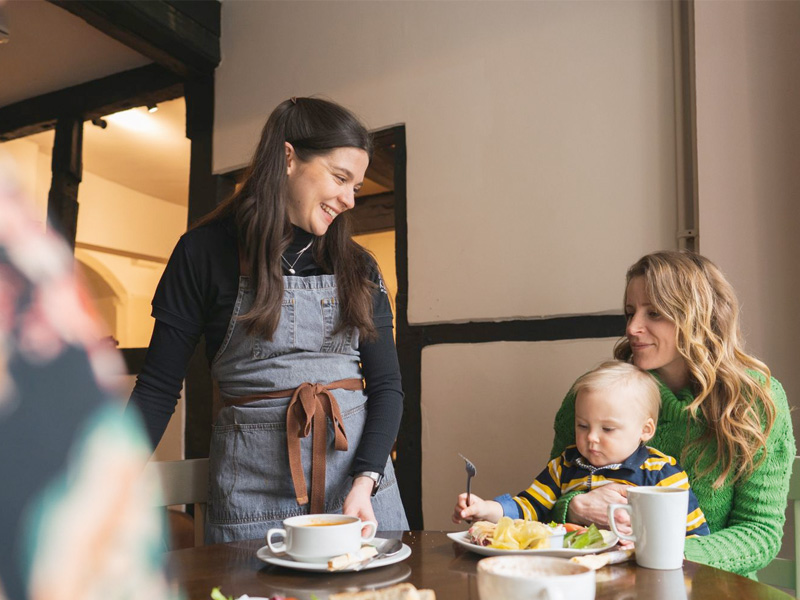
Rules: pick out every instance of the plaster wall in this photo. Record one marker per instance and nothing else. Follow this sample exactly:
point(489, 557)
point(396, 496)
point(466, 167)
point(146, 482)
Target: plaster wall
point(116, 218)
point(535, 131)
point(541, 164)
point(748, 146)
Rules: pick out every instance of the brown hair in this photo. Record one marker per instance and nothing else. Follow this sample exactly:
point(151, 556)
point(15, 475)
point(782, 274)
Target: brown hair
point(736, 406)
point(313, 127)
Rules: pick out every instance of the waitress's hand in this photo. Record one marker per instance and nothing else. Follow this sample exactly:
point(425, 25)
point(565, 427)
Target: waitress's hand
point(359, 501)
point(592, 507)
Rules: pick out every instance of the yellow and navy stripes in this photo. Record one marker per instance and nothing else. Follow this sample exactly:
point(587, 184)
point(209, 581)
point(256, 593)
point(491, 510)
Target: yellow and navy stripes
point(571, 472)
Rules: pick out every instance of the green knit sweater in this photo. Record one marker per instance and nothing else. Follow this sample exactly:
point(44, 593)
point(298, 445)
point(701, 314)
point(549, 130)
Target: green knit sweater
point(745, 518)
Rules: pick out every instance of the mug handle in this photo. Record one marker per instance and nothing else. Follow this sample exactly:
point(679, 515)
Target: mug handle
point(280, 547)
point(373, 529)
point(612, 508)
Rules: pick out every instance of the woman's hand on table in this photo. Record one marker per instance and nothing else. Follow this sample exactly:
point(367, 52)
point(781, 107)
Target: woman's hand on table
point(592, 507)
point(478, 510)
point(358, 502)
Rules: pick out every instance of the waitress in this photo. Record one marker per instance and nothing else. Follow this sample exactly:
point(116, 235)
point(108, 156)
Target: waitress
point(298, 331)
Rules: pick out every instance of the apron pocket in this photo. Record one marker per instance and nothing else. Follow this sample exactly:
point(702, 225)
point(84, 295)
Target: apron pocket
point(255, 483)
point(222, 463)
point(284, 339)
point(342, 339)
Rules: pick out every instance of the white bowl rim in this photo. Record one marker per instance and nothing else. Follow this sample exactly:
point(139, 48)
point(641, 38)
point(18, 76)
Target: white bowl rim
point(485, 563)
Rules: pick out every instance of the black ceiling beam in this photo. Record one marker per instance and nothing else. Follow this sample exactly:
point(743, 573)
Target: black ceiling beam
point(146, 85)
point(180, 36)
point(373, 213)
point(381, 167)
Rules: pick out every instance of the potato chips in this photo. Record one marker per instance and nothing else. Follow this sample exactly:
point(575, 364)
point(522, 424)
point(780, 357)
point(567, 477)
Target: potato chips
point(518, 534)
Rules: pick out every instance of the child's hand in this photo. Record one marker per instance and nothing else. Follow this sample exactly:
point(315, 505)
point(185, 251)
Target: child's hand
point(478, 510)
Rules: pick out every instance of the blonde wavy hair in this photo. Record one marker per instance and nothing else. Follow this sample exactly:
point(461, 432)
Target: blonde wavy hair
point(737, 407)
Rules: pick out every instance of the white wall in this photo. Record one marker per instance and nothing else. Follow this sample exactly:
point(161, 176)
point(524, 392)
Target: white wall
point(535, 130)
point(541, 164)
point(505, 426)
point(115, 217)
point(748, 138)
point(118, 218)
point(31, 171)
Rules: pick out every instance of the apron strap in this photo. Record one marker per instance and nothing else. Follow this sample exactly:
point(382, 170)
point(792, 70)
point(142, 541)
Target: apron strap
point(309, 405)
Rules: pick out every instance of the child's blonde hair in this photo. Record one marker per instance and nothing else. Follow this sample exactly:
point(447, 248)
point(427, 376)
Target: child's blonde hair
point(616, 374)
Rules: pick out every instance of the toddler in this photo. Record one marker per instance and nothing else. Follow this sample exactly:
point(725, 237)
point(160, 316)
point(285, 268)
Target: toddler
point(616, 411)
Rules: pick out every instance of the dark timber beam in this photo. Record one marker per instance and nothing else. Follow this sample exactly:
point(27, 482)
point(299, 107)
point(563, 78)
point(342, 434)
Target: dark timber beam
point(137, 87)
point(181, 36)
point(373, 213)
point(203, 198)
point(62, 203)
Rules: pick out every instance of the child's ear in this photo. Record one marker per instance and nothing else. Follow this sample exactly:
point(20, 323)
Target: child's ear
point(648, 429)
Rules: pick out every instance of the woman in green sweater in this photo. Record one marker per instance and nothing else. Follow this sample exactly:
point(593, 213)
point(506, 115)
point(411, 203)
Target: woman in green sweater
point(722, 413)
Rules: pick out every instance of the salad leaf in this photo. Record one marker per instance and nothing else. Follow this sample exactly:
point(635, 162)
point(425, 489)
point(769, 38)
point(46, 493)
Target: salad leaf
point(591, 538)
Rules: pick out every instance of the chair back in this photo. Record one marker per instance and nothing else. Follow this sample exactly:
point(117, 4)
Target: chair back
point(184, 482)
point(782, 572)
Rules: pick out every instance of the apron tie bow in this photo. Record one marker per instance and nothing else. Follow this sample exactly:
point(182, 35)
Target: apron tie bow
point(309, 406)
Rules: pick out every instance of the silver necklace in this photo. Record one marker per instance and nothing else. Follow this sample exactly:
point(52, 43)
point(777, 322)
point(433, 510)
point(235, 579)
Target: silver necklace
point(299, 254)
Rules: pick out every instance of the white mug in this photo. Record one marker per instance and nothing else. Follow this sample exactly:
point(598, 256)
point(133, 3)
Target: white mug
point(658, 520)
point(318, 538)
point(534, 578)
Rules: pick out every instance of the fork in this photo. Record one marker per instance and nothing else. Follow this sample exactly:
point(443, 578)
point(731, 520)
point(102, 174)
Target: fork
point(471, 471)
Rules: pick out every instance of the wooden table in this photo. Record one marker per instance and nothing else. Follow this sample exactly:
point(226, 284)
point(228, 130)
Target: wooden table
point(437, 563)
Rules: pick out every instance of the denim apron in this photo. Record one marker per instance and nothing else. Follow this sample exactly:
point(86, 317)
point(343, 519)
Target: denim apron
point(250, 485)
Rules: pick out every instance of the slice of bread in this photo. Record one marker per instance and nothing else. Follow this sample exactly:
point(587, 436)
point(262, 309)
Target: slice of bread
point(348, 560)
point(401, 591)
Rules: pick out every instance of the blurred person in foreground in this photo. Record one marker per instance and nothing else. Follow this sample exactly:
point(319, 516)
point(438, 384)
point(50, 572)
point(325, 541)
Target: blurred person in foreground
point(76, 517)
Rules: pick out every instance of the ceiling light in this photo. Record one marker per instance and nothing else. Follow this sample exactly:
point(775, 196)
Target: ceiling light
point(135, 119)
point(151, 108)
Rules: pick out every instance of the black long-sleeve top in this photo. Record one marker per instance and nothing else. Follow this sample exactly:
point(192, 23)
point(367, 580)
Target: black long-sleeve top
point(196, 296)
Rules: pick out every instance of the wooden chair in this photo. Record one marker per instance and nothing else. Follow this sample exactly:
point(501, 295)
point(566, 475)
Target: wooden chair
point(782, 572)
point(184, 482)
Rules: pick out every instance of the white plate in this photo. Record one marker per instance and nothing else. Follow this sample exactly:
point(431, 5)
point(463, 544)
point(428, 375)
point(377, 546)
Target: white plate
point(284, 560)
point(462, 538)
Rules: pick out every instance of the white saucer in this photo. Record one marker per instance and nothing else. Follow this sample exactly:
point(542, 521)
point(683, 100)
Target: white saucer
point(284, 560)
point(462, 539)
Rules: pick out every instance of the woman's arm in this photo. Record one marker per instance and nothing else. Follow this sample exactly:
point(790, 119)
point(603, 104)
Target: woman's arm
point(384, 402)
point(158, 385)
point(384, 410)
point(564, 428)
point(179, 310)
point(384, 390)
point(753, 535)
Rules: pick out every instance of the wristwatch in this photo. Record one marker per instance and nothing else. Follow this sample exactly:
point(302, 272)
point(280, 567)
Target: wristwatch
point(377, 478)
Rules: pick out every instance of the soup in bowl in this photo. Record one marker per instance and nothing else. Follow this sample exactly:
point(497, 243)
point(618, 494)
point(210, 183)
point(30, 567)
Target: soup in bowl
point(318, 538)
